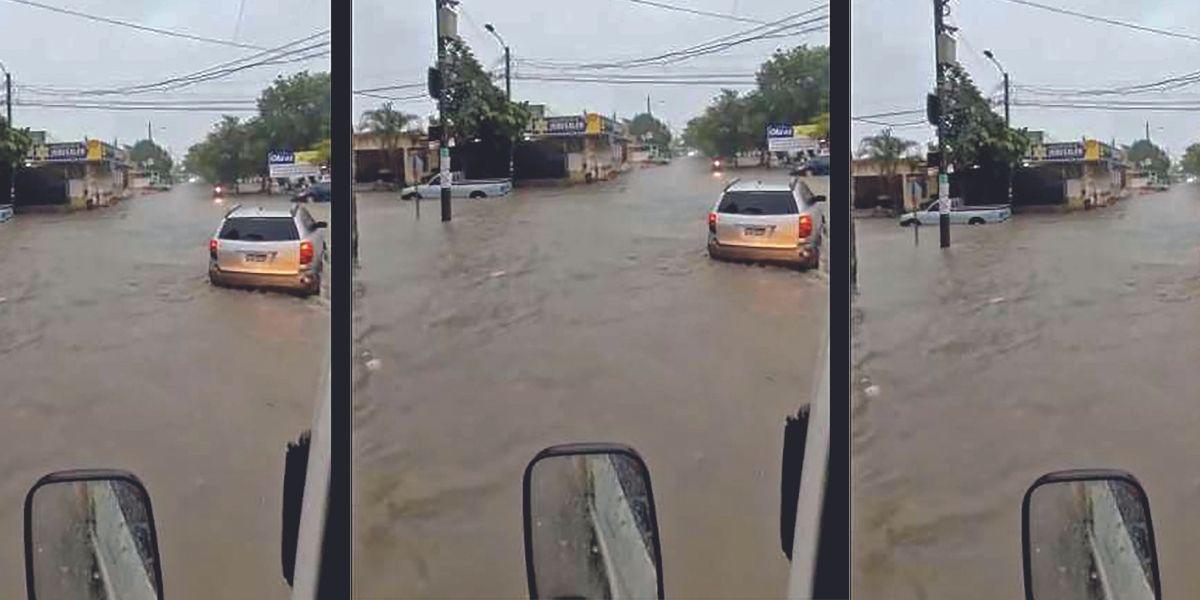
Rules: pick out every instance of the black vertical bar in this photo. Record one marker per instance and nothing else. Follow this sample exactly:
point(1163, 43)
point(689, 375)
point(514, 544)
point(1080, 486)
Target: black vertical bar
point(443, 148)
point(943, 194)
point(334, 581)
point(832, 569)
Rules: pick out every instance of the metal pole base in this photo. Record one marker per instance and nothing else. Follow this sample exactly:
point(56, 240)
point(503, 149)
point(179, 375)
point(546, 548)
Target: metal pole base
point(445, 204)
point(944, 229)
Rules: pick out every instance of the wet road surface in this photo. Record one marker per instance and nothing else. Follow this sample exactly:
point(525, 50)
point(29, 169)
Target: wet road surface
point(116, 352)
point(589, 313)
point(1045, 343)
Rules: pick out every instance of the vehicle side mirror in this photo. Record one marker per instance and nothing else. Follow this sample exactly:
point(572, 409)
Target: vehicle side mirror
point(816, 199)
point(590, 525)
point(320, 225)
point(1088, 534)
point(90, 533)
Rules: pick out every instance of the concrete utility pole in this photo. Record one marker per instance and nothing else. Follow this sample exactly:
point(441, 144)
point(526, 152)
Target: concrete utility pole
point(939, 26)
point(8, 96)
point(442, 14)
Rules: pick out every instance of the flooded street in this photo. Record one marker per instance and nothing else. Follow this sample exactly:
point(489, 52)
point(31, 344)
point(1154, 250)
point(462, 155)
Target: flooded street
point(587, 313)
point(116, 352)
point(1048, 342)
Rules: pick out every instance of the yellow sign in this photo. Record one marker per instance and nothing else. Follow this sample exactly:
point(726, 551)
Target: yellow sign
point(808, 131)
point(1091, 150)
point(593, 123)
point(308, 157)
point(95, 150)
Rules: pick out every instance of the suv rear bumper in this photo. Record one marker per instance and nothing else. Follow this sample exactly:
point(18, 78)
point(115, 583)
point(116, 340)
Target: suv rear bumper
point(801, 255)
point(305, 280)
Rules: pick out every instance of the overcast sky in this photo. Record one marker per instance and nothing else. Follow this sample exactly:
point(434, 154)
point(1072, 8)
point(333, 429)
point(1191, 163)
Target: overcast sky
point(893, 68)
point(43, 48)
point(394, 44)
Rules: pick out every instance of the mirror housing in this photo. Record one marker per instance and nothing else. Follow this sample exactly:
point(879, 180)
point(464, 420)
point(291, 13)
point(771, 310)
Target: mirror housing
point(590, 524)
point(320, 225)
point(1088, 532)
point(91, 527)
point(818, 198)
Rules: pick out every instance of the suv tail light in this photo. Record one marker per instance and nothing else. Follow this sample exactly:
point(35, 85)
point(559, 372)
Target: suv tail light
point(806, 225)
point(306, 252)
point(712, 222)
point(212, 248)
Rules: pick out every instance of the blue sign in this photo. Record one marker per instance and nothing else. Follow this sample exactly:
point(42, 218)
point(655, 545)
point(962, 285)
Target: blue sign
point(780, 131)
point(281, 157)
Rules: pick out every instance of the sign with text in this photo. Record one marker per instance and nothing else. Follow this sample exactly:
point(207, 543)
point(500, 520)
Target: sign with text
point(791, 138)
point(289, 164)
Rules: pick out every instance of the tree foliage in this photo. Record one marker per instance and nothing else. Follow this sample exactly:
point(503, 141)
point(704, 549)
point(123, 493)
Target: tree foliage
point(475, 108)
point(975, 135)
point(1144, 153)
point(646, 127)
point(151, 157)
point(14, 143)
point(294, 113)
point(1191, 160)
point(792, 87)
point(388, 124)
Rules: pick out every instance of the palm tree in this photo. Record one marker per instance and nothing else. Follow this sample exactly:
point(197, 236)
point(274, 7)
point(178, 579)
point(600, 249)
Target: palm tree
point(388, 125)
point(888, 151)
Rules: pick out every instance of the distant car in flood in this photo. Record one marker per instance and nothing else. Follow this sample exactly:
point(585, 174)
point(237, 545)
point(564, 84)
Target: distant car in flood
point(318, 192)
point(959, 214)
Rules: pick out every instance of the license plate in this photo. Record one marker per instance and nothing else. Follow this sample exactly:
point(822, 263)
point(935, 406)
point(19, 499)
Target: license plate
point(759, 231)
point(258, 258)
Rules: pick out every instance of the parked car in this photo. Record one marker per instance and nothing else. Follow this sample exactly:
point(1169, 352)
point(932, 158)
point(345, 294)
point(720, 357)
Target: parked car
point(959, 214)
point(817, 165)
point(318, 192)
point(271, 248)
point(762, 222)
point(459, 188)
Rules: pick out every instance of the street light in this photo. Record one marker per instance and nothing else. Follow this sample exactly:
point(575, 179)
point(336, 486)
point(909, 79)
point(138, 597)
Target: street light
point(507, 64)
point(992, 57)
point(507, 86)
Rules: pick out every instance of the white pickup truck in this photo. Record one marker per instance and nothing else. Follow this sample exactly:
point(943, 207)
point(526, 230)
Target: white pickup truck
point(459, 188)
point(959, 214)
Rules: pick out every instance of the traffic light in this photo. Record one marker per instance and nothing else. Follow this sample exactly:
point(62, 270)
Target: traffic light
point(434, 82)
point(933, 109)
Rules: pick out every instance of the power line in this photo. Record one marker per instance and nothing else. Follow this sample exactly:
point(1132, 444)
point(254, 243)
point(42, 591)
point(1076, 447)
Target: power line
point(1098, 19)
point(894, 113)
point(110, 21)
point(237, 27)
point(403, 86)
point(397, 98)
point(271, 56)
point(697, 12)
point(711, 46)
point(180, 108)
point(708, 82)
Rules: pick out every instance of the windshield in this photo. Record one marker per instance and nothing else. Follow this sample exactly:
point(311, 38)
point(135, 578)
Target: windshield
point(759, 203)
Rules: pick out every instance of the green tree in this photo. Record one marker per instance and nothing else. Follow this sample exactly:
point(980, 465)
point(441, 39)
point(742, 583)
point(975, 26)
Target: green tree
point(889, 152)
point(152, 157)
point(1145, 154)
point(295, 112)
point(475, 108)
point(14, 143)
point(793, 86)
point(387, 124)
point(645, 127)
point(975, 135)
point(221, 157)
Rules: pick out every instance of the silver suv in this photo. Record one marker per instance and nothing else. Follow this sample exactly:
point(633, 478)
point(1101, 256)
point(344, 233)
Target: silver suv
point(275, 248)
point(762, 222)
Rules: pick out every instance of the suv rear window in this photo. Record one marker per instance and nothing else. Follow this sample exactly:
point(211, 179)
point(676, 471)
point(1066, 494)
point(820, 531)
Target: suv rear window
point(758, 203)
point(259, 229)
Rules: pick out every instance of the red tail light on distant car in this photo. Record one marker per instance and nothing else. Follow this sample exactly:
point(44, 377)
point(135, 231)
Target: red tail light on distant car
point(712, 222)
point(212, 248)
point(806, 225)
point(306, 252)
